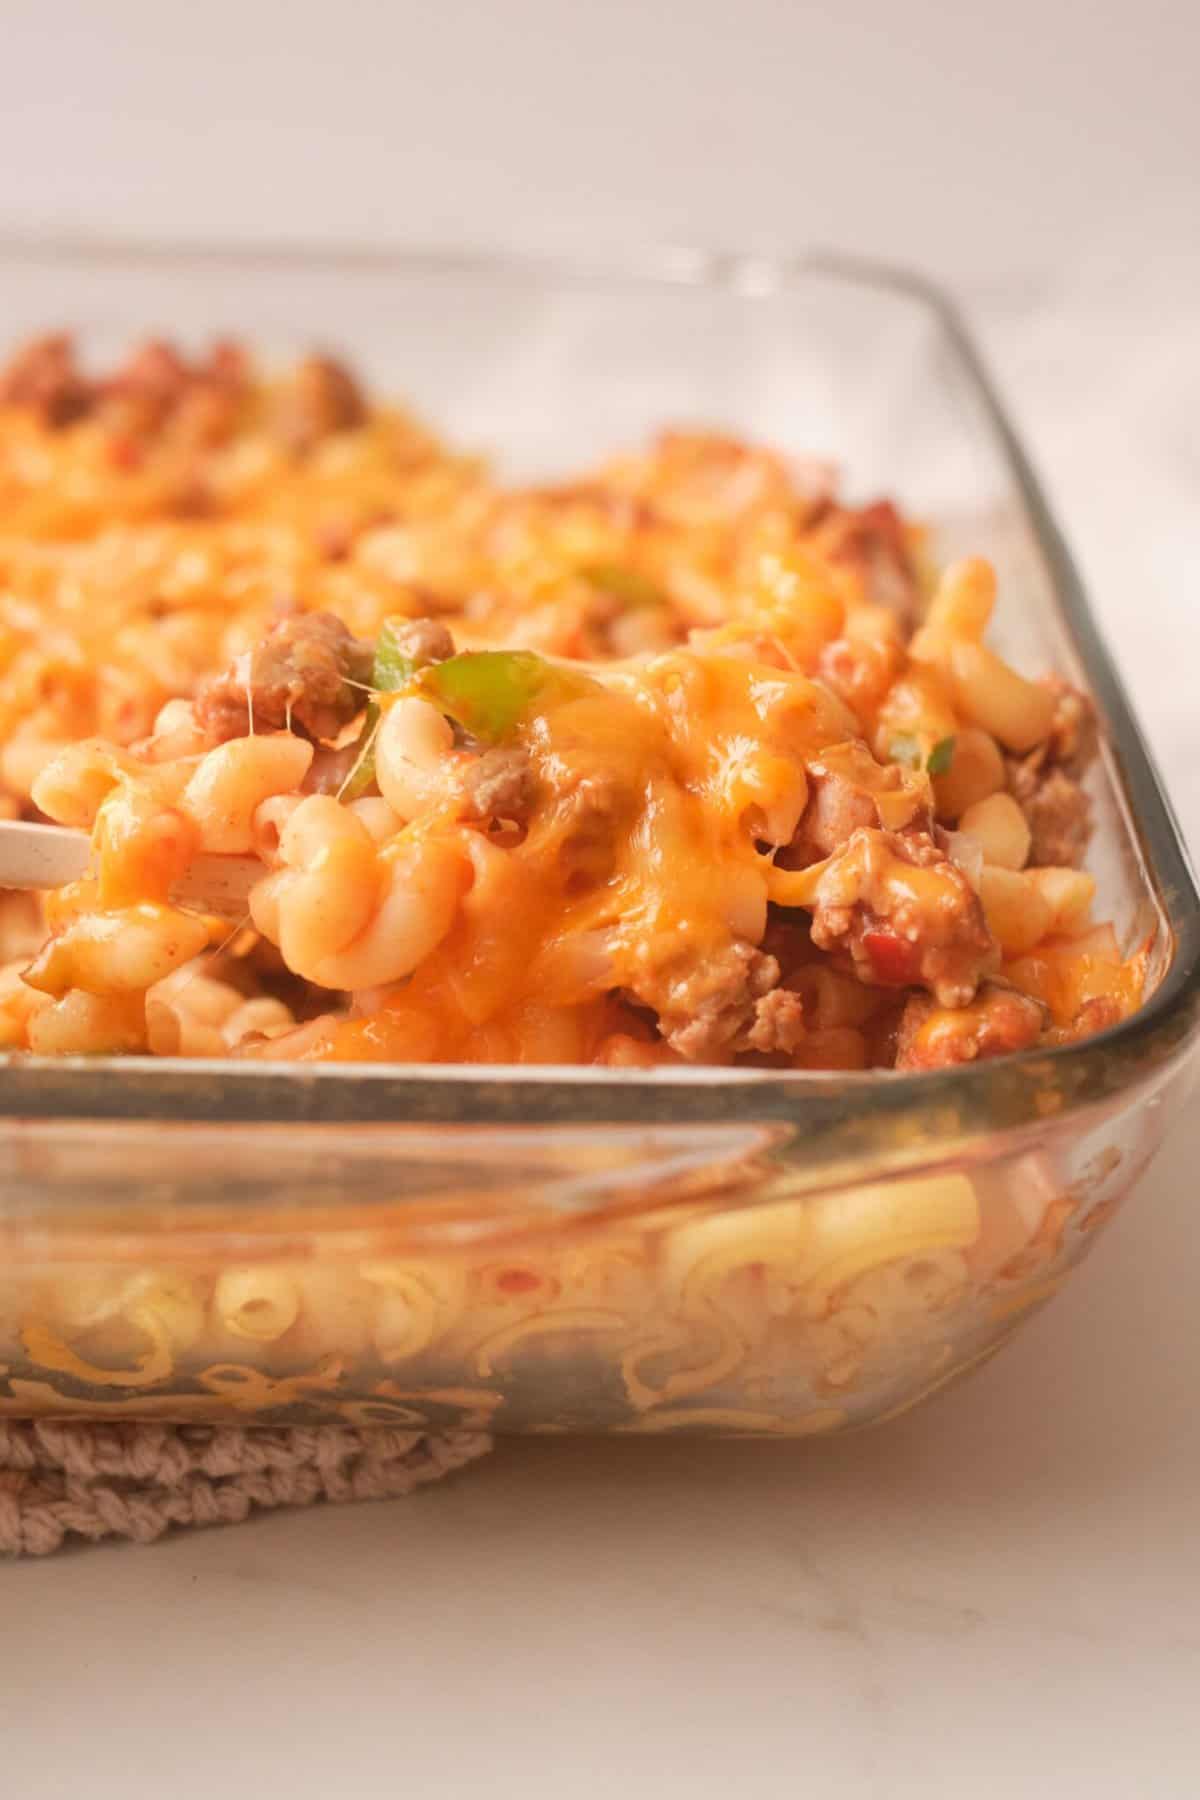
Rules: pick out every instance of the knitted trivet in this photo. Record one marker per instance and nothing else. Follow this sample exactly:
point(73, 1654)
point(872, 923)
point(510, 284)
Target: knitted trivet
point(105, 1480)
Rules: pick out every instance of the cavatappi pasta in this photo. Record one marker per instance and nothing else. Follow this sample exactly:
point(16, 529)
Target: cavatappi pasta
point(683, 760)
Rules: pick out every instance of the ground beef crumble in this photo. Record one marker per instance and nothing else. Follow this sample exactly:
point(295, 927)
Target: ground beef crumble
point(308, 674)
point(1045, 783)
point(778, 1023)
point(423, 641)
point(153, 389)
point(934, 937)
point(710, 1010)
point(42, 377)
point(836, 809)
point(872, 540)
point(998, 1021)
point(1058, 812)
point(320, 398)
point(500, 784)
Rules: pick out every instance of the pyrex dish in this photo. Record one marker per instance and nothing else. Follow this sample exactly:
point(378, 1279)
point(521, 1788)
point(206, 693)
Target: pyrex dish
point(573, 1248)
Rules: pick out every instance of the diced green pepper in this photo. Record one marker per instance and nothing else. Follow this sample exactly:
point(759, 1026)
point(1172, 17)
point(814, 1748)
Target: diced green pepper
point(940, 757)
point(391, 669)
point(491, 692)
point(629, 586)
point(392, 666)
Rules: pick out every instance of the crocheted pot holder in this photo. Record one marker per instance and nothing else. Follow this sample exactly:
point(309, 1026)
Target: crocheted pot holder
point(89, 1481)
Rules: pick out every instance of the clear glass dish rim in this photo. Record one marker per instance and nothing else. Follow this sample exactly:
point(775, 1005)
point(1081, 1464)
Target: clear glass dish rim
point(849, 1115)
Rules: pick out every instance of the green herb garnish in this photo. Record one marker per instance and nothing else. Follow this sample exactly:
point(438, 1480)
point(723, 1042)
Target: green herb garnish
point(629, 586)
point(941, 756)
point(392, 669)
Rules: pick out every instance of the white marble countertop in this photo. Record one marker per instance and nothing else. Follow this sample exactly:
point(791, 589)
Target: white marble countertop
point(997, 1595)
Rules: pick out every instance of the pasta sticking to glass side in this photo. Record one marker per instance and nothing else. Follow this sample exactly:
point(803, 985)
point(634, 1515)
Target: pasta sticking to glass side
point(683, 761)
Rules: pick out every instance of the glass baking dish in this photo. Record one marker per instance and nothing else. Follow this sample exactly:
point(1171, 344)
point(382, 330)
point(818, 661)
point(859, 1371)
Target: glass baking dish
point(576, 1249)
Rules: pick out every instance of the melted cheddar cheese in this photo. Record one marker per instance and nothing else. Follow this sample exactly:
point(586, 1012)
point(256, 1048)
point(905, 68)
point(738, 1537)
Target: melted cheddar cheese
point(705, 819)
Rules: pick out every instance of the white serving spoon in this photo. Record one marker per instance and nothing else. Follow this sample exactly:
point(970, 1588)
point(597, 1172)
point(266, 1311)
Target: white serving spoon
point(49, 856)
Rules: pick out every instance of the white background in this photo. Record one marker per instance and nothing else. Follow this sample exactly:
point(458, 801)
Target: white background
point(974, 138)
point(998, 1595)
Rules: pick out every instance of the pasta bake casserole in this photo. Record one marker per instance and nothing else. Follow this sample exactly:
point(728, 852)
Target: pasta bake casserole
point(685, 759)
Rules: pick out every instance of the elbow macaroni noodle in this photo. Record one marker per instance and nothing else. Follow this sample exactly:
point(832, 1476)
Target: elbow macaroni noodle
point(793, 1315)
point(233, 781)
